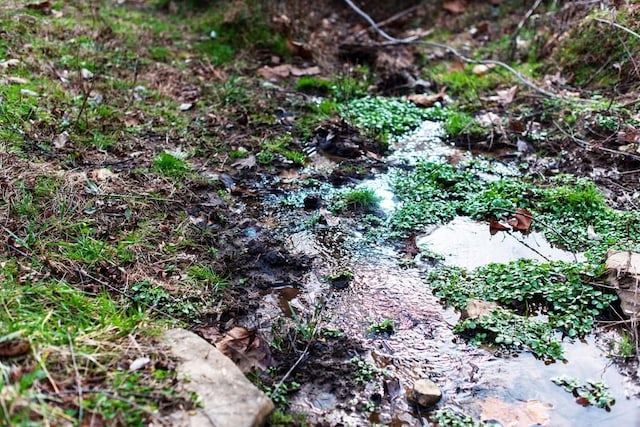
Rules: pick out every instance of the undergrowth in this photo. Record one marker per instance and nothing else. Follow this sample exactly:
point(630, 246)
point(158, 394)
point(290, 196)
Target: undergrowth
point(562, 207)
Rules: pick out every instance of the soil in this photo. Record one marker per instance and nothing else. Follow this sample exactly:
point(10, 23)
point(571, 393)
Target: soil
point(234, 212)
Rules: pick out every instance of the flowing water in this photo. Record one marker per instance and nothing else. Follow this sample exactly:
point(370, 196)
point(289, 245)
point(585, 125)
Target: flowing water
point(423, 344)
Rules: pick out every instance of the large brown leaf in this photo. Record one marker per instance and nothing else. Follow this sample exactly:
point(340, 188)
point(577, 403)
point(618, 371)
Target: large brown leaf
point(247, 349)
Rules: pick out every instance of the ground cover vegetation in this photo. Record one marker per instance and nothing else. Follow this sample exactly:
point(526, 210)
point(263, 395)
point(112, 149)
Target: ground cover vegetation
point(138, 150)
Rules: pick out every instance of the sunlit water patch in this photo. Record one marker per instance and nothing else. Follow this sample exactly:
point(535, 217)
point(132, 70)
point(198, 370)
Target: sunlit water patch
point(469, 244)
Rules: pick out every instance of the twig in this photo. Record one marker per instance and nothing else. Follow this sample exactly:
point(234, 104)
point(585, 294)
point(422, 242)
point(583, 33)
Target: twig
point(621, 27)
point(556, 232)
point(84, 104)
point(409, 40)
point(304, 352)
point(586, 145)
point(78, 380)
point(391, 18)
point(516, 33)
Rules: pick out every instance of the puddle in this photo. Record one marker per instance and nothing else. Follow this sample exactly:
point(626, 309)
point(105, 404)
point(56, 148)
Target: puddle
point(468, 244)
point(423, 344)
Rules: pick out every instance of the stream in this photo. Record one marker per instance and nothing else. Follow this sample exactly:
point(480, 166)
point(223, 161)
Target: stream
point(423, 344)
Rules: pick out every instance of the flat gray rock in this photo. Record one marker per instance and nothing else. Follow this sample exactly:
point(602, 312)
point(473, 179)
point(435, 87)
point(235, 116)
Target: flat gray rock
point(228, 398)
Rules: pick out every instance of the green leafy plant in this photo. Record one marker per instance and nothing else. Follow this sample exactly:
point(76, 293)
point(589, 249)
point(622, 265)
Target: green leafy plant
point(386, 118)
point(587, 392)
point(449, 418)
point(385, 326)
point(280, 146)
point(364, 371)
point(526, 288)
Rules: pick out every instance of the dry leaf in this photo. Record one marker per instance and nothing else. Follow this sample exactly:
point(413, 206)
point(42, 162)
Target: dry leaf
point(506, 96)
point(455, 6)
point(489, 120)
point(139, 363)
point(61, 140)
point(426, 101)
point(298, 49)
point(246, 163)
point(283, 71)
point(9, 63)
point(495, 226)
point(17, 80)
point(309, 71)
point(482, 69)
point(523, 220)
point(246, 348)
point(524, 414)
point(14, 348)
point(289, 175)
point(43, 6)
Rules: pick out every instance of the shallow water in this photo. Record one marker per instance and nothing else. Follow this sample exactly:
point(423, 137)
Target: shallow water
point(469, 244)
point(423, 345)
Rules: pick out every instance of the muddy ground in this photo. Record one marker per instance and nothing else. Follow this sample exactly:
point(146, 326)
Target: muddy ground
point(304, 279)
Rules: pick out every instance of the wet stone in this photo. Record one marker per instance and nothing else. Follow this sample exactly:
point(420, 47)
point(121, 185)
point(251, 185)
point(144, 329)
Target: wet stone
point(313, 201)
point(227, 396)
point(426, 393)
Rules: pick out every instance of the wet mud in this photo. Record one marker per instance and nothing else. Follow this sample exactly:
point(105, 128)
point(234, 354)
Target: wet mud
point(384, 288)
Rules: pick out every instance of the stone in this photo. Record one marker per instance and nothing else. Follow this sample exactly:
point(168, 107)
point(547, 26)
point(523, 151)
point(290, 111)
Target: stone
point(228, 398)
point(426, 393)
point(623, 274)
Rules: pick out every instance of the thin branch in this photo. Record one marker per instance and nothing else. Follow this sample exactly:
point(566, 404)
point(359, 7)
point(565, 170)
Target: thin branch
point(550, 228)
point(516, 33)
point(621, 27)
point(587, 146)
point(392, 41)
point(392, 18)
point(304, 352)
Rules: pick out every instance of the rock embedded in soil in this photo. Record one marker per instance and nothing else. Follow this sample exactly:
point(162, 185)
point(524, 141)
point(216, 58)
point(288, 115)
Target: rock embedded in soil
point(425, 393)
point(623, 274)
point(227, 397)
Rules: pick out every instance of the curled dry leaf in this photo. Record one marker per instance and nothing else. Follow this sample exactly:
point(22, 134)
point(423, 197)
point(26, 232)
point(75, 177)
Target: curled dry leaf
point(455, 6)
point(14, 348)
point(482, 69)
point(246, 163)
point(139, 363)
point(523, 220)
point(422, 100)
point(61, 140)
point(283, 71)
point(495, 226)
point(247, 349)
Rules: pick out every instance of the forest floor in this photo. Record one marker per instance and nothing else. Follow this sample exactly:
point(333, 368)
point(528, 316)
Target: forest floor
point(217, 168)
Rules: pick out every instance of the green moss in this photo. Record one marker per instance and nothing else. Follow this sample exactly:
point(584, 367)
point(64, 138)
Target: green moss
point(593, 43)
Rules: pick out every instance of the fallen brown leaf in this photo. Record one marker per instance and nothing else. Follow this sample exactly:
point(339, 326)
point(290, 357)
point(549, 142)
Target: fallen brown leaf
point(495, 226)
point(246, 348)
point(283, 71)
point(426, 101)
point(455, 6)
point(246, 163)
point(524, 414)
point(523, 220)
